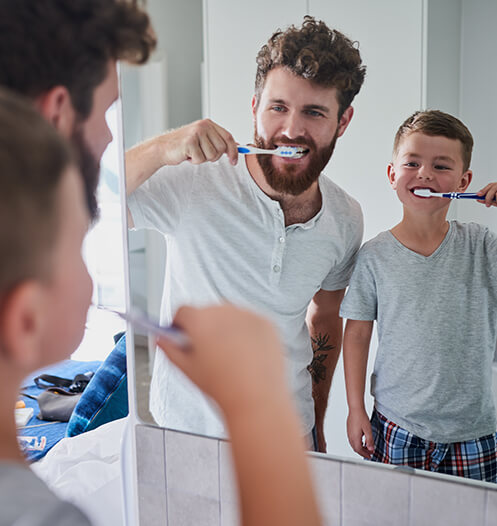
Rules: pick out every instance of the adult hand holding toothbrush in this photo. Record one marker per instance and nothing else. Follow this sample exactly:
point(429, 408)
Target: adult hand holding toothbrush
point(198, 142)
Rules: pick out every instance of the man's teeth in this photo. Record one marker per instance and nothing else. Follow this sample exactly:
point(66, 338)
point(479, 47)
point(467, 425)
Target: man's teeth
point(300, 152)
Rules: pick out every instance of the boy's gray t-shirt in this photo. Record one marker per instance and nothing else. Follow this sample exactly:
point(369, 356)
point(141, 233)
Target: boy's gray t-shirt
point(437, 326)
point(25, 500)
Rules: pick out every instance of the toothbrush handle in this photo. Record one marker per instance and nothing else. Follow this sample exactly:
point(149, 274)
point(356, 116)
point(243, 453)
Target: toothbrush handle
point(468, 196)
point(245, 149)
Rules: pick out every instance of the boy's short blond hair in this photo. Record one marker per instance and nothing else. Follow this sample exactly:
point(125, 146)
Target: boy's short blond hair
point(33, 159)
point(437, 124)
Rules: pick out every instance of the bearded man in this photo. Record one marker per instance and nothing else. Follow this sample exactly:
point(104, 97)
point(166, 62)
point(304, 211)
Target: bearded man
point(269, 233)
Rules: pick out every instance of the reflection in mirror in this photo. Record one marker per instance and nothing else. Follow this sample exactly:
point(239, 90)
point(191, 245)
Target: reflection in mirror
point(103, 249)
point(165, 93)
point(418, 56)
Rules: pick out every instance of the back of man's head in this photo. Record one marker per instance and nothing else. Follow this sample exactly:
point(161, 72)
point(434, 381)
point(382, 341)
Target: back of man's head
point(315, 52)
point(47, 43)
point(33, 159)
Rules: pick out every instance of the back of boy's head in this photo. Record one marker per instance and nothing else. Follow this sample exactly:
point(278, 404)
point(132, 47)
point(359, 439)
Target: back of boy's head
point(436, 123)
point(33, 159)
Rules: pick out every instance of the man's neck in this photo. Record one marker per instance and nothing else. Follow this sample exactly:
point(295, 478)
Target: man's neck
point(422, 233)
point(296, 208)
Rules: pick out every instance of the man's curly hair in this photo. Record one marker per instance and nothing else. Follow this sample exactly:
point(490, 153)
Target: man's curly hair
point(317, 53)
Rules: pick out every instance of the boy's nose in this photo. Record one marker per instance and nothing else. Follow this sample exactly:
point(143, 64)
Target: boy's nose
point(424, 173)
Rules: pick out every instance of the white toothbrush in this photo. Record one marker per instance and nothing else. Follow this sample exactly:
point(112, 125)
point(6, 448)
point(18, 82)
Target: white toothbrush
point(426, 192)
point(290, 152)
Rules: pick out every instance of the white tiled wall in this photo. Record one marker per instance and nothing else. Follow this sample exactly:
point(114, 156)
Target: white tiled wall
point(185, 479)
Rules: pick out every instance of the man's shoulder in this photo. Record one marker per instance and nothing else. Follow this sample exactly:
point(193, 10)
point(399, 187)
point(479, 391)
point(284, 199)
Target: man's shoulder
point(338, 197)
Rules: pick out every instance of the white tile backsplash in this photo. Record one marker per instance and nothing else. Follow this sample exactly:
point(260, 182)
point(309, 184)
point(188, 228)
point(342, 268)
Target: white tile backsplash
point(437, 501)
point(491, 509)
point(228, 487)
point(192, 473)
point(326, 475)
point(201, 488)
point(374, 495)
point(152, 502)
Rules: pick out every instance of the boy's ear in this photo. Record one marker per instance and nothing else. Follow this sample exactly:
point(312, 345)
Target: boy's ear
point(345, 120)
point(21, 326)
point(56, 106)
point(391, 175)
point(465, 180)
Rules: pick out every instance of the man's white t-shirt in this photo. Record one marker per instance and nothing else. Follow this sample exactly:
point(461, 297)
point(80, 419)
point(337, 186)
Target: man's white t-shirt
point(227, 241)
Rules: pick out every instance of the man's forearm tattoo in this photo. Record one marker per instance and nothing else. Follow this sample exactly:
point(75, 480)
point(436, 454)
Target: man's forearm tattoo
point(320, 347)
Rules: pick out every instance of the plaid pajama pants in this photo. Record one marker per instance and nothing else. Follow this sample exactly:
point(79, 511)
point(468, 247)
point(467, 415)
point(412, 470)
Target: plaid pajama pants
point(474, 459)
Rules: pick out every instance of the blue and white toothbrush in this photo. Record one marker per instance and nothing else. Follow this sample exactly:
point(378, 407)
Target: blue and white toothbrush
point(290, 152)
point(426, 192)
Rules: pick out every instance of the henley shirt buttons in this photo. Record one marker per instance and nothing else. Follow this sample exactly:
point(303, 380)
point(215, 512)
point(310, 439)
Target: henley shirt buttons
point(281, 240)
point(276, 268)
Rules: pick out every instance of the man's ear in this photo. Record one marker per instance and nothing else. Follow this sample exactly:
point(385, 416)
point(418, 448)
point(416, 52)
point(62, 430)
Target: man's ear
point(391, 176)
point(345, 120)
point(465, 180)
point(21, 326)
point(56, 106)
point(254, 107)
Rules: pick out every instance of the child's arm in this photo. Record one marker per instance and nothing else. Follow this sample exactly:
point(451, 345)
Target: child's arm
point(489, 194)
point(355, 359)
point(236, 358)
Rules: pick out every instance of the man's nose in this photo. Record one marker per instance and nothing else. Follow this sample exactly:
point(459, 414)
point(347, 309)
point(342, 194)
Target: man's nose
point(293, 126)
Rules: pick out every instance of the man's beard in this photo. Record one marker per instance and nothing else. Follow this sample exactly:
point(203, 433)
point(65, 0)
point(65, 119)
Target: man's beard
point(288, 180)
point(90, 170)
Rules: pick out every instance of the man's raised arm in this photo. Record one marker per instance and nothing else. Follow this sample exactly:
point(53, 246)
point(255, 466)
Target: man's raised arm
point(198, 142)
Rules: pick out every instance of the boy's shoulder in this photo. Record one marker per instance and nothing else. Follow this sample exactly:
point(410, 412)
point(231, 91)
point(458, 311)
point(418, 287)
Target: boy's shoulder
point(474, 232)
point(378, 242)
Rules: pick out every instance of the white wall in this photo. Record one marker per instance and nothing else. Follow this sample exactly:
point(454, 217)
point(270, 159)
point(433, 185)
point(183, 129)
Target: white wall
point(478, 107)
point(163, 94)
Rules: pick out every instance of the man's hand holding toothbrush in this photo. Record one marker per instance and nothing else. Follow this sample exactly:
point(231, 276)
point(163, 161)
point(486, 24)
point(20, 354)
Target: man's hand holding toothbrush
point(199, 142)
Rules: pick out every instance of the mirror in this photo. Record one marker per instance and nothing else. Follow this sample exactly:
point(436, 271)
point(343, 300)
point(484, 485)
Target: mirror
point(103, 249)
point(418, 55)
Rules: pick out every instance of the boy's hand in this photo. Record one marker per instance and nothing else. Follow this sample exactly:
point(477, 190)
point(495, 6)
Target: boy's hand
point(489, 194)
point(359, 426)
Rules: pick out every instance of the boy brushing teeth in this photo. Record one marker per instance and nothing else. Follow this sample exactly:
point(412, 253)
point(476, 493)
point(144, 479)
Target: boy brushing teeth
point(431, 286)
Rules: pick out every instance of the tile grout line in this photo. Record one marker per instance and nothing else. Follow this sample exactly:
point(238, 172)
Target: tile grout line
point(485, 509)
point(410, 490)
point(219, 480)
point(164, 431)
